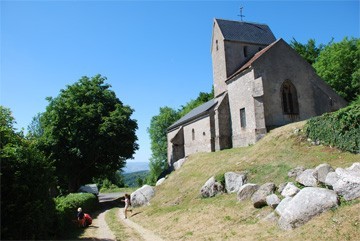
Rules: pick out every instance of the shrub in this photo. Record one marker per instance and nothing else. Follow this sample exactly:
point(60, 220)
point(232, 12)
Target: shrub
point(27, 210)
point(66, 209)
point(340, 129)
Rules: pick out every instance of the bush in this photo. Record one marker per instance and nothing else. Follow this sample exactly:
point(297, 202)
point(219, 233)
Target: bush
point(340, 129)
point(66, 209)
point(27, 210)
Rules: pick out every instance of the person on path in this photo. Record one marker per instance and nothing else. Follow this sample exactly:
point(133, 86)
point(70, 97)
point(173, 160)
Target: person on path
point(84, 219)
point(127, 204)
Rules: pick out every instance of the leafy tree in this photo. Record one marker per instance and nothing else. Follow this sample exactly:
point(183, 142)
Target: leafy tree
point(88, 132)
point(27, 210)
point(309, 51)
point(339, 65)
point(35, 129)
point(201, 99)
point(158, 137)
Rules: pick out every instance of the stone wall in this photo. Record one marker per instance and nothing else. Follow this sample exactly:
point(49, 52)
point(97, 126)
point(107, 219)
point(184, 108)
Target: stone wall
point(281, 63)
point(203, 140)
point(241, 96)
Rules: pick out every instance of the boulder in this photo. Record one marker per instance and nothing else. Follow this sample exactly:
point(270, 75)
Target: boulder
point(309, 202)
point(211, 188)
point(160, 181)
point(282, 186)
point(354, 167)
point(321, 172)
point(290, 190)
point(282, 205)
point(246, 191)
point(233, 181)
point(179, 163)
point(331, 179)
point(259, 197)
point(307, 178)
point(296, 171)
point(348, 184)
point(272, 200)
point(142, 196)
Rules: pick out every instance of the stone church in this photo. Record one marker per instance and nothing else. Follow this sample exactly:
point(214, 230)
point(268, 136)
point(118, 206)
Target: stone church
point(259, 83)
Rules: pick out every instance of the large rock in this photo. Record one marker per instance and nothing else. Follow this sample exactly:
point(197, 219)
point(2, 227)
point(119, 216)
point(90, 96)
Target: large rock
point(307, 178)
point(321, 171)
point(211, 188)
point(179, 163)
point(142, 196)
point(246, 191)
point(290, 190)
point(233, 181)
point(348, 184)
point(282, 205)
point(331, 179)
point(160, 181)
point(259, 197)
point(272, 200)
point(308, 203)
point(296, 171)
point(354, 167)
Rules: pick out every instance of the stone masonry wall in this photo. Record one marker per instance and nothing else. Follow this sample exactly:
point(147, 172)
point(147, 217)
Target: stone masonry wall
point(203, 141)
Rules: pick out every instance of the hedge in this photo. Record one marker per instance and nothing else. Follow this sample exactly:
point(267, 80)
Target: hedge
point(340, 129)
point(66, 210)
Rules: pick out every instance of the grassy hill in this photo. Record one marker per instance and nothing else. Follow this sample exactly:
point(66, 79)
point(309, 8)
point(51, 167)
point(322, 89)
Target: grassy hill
point(177, 212)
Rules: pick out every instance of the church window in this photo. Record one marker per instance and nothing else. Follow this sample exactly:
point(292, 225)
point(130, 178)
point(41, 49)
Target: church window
point(245, 51)
point(242, 118)
point(289, 98)
point(217, 45)
point(193, 134)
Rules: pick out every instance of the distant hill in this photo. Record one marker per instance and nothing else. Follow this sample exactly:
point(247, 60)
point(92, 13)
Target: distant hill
point(136, 167)
point(130, 179)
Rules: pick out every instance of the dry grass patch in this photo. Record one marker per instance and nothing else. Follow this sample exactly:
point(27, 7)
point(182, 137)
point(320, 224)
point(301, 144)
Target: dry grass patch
point(177, 211)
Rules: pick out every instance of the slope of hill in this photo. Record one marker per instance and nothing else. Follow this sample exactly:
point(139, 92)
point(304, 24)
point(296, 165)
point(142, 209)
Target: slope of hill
point(177, 212)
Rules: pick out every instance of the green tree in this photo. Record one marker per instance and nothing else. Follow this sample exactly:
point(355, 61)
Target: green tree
point(201, 99)
point(158, 137)
point(35, 129)
point(309, 51)
point(339, 65)
point(27, 210)
point(88, 132)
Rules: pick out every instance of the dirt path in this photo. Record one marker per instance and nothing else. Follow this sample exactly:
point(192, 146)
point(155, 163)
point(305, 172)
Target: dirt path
point(145, 234)
point(99, 230)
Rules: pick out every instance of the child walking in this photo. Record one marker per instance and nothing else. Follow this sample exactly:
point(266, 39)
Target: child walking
point(127, 204)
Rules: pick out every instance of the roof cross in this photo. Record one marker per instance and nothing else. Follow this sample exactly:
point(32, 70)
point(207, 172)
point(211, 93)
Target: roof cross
point(241, 15)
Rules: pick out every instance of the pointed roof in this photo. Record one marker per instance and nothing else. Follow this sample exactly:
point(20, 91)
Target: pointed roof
point(246, 32)
point(195, 113)
point(254, 58)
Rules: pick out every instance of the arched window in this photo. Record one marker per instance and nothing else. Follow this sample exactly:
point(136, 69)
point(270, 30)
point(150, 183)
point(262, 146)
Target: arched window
point(289, 98)
point(193, 134)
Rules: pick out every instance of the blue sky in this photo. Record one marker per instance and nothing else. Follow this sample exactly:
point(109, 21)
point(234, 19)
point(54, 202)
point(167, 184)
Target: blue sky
point(154, 53)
